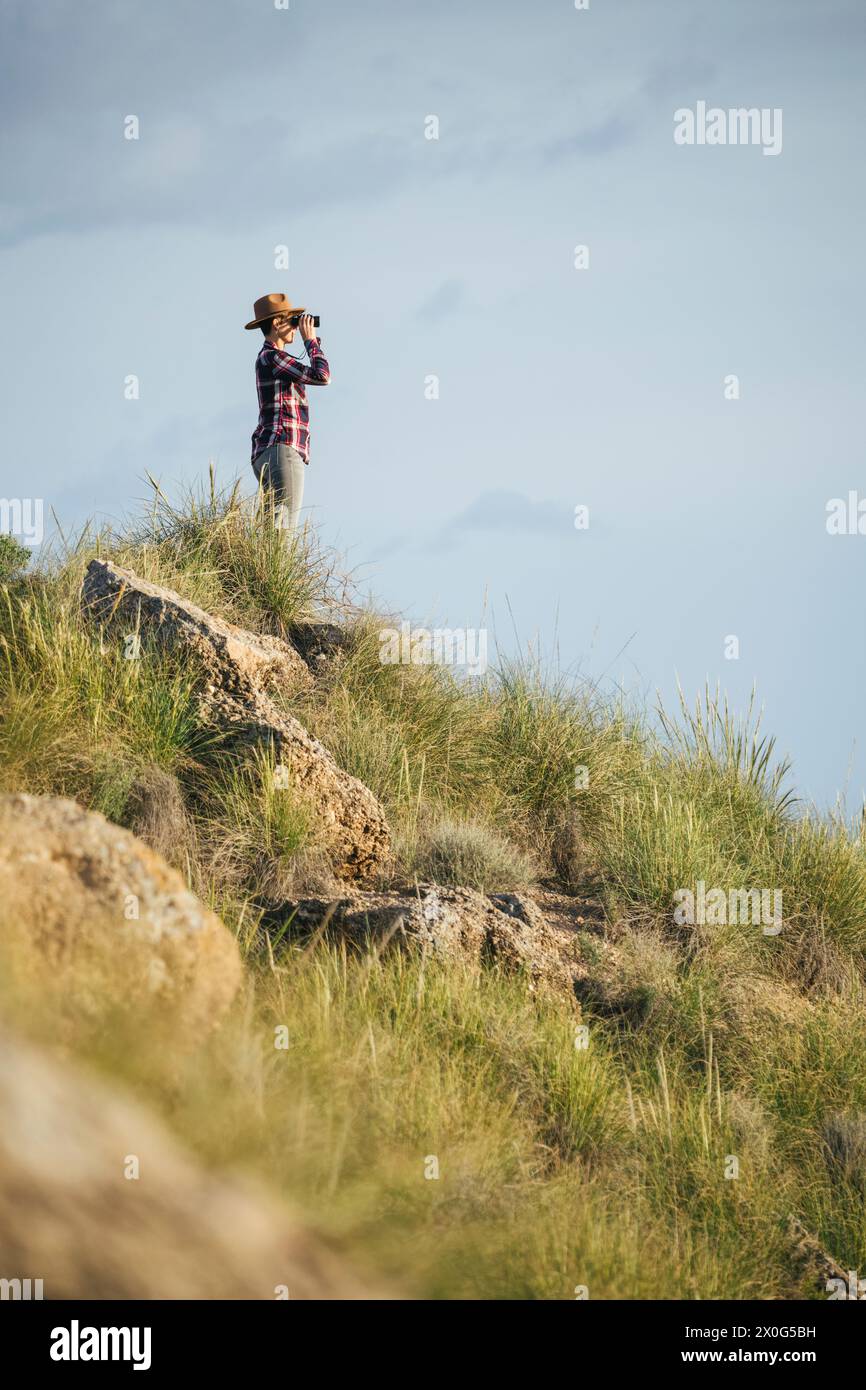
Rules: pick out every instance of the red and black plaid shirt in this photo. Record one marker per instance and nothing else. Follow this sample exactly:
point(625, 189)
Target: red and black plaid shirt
point(283, 411)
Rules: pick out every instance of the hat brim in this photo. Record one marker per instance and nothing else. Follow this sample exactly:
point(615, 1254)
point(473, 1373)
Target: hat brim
point(291, 312)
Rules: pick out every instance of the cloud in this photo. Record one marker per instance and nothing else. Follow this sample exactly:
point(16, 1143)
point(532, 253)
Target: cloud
point(445, 299)
point(220, 143)
point(503, 510)
point(220, 140)
point(612, 134)
point(176, 173)
point(666, 81)
point(499, 510)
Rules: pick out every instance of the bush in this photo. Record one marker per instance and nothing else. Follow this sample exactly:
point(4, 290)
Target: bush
point(471, 854)
point(14, 558)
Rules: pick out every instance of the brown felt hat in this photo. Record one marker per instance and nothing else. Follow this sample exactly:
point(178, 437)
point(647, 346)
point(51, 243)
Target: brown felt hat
point(270, 306)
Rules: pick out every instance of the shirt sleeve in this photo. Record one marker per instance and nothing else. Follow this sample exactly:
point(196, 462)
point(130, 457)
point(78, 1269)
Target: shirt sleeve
point(316, 372)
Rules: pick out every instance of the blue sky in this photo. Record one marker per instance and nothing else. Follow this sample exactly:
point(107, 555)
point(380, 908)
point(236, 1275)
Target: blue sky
point(604, 387)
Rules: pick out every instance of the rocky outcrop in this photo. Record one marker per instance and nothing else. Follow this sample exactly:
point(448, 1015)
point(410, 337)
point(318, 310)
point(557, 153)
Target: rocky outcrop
point(241, 672)
point(107, 922)
point(234, 660)
point(98, 1201)
point(504, 930)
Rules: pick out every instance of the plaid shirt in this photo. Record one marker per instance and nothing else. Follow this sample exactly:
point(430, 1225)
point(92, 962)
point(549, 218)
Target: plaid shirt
point(283, 411)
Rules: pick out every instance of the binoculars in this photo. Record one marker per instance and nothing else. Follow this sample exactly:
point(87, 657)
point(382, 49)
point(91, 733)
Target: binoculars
point(296, 318)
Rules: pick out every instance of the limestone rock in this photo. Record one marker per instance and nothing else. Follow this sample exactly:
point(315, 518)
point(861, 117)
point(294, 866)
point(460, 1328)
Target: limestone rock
point(71, 1216)
point(241, 673)
point(505, 930)
point(114, 925)
point(238, 661)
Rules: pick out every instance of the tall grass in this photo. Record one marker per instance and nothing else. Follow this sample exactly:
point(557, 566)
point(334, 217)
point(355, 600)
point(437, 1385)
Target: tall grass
point(80, 719)
point(226, 554)
point(557, 1164)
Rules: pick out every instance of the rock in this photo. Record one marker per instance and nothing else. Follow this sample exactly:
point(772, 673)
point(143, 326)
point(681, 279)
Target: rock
point(237, 661)
point(813, 1264)
point(71, 1217)
point(241, 670)
point(504, 930)
point(106, 921)
point(353, 828)
point(318, 641)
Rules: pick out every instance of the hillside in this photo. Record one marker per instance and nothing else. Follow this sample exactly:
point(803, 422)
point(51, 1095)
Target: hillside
point(496, 1031)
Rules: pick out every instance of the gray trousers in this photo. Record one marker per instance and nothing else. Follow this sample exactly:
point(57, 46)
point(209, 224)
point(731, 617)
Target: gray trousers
point(279, 471)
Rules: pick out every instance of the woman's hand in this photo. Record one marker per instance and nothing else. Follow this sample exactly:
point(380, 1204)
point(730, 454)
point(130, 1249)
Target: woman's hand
point(306, 327)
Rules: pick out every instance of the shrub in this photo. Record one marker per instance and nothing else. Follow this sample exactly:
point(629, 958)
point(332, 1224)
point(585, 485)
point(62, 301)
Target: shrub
point(14, 558)
point(471, 854)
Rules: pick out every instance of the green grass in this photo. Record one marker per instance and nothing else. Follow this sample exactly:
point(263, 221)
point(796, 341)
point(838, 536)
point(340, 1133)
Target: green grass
point(559, 1165)
point(227, 556)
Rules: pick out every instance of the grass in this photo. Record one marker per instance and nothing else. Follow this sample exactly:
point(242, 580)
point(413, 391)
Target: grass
point(470, 854)
point(559, 1165)
point(226, 555)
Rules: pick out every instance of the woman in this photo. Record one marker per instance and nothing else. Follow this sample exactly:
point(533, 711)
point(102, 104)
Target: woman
point(281, 441)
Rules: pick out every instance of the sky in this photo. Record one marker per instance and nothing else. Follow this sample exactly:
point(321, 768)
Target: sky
point(598, 380)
